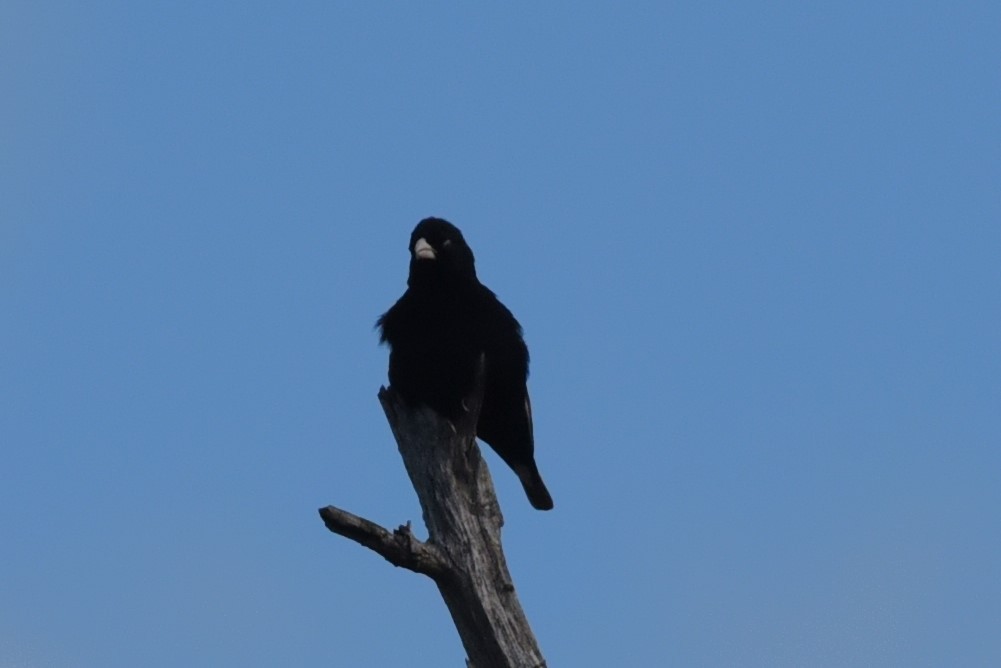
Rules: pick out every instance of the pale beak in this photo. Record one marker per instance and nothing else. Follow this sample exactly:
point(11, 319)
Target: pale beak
point(423, 250)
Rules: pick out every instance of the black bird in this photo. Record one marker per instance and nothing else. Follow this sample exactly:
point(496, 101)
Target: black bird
point(438, 331)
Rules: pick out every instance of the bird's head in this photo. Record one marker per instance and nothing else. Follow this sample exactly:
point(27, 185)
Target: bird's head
point(438, 252)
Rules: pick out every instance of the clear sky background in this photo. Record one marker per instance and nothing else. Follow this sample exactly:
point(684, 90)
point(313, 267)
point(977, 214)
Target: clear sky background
point(755, 247)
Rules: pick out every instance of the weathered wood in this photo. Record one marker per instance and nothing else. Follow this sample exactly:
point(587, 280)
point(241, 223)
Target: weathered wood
point(400, 548)
point(463, 553)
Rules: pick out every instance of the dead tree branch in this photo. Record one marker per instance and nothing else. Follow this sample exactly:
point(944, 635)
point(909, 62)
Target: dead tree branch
point(463, 553)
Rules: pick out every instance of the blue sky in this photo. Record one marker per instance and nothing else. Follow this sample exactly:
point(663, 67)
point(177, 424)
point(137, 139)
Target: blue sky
point(756, 251)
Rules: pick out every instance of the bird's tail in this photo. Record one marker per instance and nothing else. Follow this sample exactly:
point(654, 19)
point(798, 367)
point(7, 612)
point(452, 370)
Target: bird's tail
point(536, 490)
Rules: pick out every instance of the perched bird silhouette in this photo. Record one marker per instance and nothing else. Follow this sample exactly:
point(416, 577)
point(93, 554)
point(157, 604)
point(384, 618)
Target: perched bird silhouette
point(439, 330)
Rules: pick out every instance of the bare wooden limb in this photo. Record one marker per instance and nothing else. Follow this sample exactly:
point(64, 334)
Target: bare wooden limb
point(400, 548)
point(463, 553)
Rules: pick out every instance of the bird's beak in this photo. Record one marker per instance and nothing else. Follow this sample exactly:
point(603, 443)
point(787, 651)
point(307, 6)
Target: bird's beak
point(423, 250)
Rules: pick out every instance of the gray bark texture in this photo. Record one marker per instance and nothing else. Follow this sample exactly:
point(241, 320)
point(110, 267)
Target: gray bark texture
point(463, 553)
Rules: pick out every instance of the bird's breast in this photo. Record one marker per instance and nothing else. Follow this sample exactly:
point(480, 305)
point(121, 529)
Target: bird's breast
point(434, 353)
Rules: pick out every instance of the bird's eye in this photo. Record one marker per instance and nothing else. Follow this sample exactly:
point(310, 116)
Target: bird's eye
point(446, 243)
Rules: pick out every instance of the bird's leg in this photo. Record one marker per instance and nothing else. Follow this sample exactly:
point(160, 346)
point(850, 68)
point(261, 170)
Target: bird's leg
point(465, 409)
